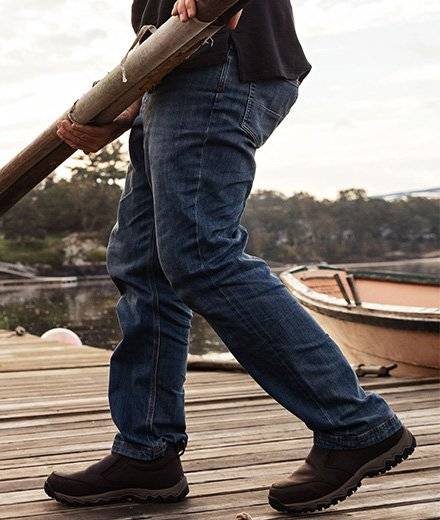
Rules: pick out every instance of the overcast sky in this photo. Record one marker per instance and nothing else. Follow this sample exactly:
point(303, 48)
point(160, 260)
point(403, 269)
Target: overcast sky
point(367, 115)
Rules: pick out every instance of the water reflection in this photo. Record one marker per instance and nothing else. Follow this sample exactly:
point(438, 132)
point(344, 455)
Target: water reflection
point(87, 309)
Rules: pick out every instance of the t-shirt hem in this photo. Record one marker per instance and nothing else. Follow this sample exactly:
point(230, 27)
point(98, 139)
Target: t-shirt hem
point(292, 74)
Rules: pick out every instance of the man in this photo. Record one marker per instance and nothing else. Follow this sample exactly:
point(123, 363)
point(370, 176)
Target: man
point(178, 247)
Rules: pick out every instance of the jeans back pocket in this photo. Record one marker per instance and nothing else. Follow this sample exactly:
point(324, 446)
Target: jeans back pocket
point(268, 103)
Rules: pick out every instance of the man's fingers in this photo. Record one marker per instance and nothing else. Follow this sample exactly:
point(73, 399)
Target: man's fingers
point(70, 143)
point(78, 142)
point(69, 135)
point(190, 8)
point(73, 133)
point(87, 133)
point(181, 8)
point(84, 130)
point(78, 146)
point(73, 143)
point(185, 9)
point(233, 22)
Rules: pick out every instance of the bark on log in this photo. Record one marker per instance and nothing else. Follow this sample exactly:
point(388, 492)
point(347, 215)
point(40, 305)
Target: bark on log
point(144, 67)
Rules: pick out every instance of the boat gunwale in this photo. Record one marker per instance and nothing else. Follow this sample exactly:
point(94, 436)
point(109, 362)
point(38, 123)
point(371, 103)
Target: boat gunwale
point(384, 276)
point(395, 316)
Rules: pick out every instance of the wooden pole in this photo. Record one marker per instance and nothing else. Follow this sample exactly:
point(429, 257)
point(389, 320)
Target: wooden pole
point(144, 67)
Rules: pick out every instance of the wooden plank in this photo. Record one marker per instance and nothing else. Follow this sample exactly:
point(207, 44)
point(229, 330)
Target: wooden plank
point(240, 441)
point(28, 468)
point(219, 438)
point(417, 511)
point(215, 432)
point(429, 478)
point(84, 388)
point(200, 459)
point(246, 418)
point(419, 462)
point(228, 505)
point(14, 406)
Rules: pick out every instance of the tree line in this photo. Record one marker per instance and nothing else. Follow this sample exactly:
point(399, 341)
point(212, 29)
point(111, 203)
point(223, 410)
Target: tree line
point(354, 227)
point(286, 229)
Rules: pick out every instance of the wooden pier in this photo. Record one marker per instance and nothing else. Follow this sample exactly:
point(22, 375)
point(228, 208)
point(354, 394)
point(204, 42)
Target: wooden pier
point(54, 414)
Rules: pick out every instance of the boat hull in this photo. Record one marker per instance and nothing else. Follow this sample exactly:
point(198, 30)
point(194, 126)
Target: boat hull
point(375, 318)
point(416, 352)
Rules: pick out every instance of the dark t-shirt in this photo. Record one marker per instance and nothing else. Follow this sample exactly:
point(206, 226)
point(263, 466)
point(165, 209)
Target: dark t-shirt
point(265, 39)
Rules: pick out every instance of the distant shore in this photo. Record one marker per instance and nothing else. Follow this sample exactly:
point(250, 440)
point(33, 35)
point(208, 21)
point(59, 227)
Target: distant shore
point(425, 260)
point(15, 283)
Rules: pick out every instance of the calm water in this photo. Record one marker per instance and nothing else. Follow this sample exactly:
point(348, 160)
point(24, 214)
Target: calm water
point(89, 310)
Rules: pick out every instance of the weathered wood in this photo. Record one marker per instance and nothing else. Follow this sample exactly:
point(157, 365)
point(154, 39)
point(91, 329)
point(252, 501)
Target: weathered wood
point(202, 432)
point(240, 441)
point(376, 503)
point(424, 457)
point(35, 477)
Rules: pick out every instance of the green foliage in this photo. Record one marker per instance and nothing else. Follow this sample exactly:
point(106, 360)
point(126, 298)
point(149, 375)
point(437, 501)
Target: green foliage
point(106, 166)
point(96, 255)
point(300, 228)
point(48, 250)
point(6, 322)
point(354, 227)
point(43, 314)
point(86, 202)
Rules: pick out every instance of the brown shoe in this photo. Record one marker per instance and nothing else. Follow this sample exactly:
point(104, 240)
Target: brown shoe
point(117, 478)
point(330, 476)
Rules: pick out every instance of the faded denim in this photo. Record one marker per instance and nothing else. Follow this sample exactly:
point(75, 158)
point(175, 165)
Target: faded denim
point(178, 247)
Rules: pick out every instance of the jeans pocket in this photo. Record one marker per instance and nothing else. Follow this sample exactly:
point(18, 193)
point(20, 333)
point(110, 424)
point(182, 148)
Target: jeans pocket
point(268, 103)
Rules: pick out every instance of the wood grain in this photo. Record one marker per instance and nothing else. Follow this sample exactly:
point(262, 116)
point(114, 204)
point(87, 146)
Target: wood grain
point(54, 414)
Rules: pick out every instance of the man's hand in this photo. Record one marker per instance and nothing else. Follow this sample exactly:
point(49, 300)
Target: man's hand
point(186, 9)
point(91, 139)
point(87, 138)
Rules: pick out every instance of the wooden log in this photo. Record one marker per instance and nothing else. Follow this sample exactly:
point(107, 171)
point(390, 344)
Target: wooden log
point(143, 69)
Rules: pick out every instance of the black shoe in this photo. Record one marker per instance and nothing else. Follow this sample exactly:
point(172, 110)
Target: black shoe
point(330, 476)
point(117, 478)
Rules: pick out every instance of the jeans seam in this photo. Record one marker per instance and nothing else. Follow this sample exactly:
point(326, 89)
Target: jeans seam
point(244, 124)
point(302, 381)
point(224, 73)
point(391, 424)
point(294, 82)
point(129, 177)
point(274, 114)
point(156, 346)
point(148, 453)
point(251, 328)
point(196, 205)
point(146, 151)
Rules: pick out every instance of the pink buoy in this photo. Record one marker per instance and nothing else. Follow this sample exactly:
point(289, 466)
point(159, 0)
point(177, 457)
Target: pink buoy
point(62, 336)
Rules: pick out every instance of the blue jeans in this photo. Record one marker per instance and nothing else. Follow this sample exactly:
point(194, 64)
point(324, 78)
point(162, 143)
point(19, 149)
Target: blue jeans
point(178, 247)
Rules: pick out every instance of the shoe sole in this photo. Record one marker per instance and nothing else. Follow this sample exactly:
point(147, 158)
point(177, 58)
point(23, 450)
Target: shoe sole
point(397, 454)
point(172, 494)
